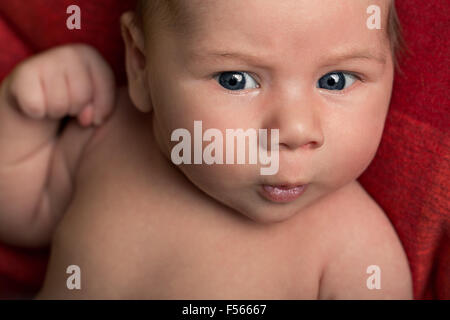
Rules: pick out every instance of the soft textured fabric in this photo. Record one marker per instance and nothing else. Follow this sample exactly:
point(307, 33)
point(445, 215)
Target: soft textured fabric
point(409, 176)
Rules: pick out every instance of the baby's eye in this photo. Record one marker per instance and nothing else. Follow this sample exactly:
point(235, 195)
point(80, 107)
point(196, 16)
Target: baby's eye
point(234, 80)
point(336, 81)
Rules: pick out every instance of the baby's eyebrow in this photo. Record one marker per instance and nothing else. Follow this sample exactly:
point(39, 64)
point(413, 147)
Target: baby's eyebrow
point(218, 55)
point(357, 54)
point(330, 59)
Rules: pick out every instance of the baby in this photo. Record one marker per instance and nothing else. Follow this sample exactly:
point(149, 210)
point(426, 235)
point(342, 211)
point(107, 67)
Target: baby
point(107, 193)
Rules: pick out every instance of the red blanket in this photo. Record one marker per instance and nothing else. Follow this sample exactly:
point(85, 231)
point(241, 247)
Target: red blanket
point(409, 177)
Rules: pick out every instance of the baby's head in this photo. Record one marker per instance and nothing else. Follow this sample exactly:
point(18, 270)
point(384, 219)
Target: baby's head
point(312, 69)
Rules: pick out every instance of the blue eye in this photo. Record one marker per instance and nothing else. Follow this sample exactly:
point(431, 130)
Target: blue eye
point(336, 81)
point(234, 80)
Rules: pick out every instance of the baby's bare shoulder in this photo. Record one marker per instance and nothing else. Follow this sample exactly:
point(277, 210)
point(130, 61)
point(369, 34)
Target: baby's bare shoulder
point(364, 251)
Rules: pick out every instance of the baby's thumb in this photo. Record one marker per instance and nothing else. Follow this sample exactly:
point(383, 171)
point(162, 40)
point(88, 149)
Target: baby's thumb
point(86, 116)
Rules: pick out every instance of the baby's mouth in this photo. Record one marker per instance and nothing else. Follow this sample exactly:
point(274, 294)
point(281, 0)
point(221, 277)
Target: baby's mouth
point(282, 193)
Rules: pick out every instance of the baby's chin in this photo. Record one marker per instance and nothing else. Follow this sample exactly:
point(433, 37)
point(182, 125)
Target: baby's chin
point(256, 209)
point(269, 217)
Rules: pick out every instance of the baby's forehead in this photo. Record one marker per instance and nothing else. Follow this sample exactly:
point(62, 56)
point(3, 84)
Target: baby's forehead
point(289, 24)
point(196, 11)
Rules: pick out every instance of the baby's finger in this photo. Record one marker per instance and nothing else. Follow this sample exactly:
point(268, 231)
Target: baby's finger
point(26, 89)
point(56, 92)
point(79, 86)
point(103, 85)
point(86, 117)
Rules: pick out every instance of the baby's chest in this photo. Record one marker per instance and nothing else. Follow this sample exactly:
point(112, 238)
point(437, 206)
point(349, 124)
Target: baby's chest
point(189, 259)
point(209, 275)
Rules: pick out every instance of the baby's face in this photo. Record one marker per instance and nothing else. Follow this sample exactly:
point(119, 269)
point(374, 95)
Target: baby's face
point(312, 69)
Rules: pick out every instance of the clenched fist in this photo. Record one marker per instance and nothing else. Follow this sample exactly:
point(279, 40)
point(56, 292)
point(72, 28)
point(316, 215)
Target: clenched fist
point(38, 162)
point(68, 80)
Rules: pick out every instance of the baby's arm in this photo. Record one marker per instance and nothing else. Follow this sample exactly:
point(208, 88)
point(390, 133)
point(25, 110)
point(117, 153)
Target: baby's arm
point(36, 163)
point(363, 236)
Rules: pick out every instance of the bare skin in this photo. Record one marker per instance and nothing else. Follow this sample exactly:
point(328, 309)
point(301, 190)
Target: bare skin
point(138, 226)
point(150, 235)
point(37, 165)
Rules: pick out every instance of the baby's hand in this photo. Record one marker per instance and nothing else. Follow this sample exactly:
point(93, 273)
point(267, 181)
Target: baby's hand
point(68, 80)
point(37, 163)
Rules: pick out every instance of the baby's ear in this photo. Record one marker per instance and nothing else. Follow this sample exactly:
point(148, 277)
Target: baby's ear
point(135, 62)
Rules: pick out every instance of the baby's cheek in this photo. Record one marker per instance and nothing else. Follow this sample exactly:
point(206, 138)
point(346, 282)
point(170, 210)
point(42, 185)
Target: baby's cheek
point(349, 151)
point(364, 142)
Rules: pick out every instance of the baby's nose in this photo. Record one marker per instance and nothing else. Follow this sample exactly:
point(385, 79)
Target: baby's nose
point(299, 125)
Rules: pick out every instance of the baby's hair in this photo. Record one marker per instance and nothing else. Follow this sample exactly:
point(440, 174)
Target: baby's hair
point(154, 14)
point(395, 35)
